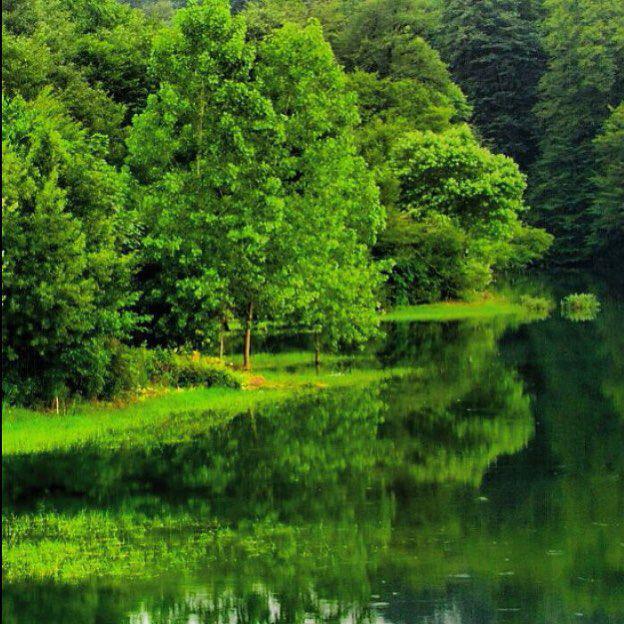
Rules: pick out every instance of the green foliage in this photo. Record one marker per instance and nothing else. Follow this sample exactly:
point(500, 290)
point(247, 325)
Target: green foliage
point(333, 211)
point(403, 86)
point(401, 83)
point(65, 271)
point(133, 369)
point(254, 176)
point(607, 235)
point(92, 53)
point(459, 219)
point(429, 255)
point(253, 199)
point(584, 41)
point(495, 54)
point(205, 196)
point(192, 370)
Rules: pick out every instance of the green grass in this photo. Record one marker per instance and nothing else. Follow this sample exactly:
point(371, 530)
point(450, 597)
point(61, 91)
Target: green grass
point(456, 311)
point(265, 363)
point(30, 431)
point(275, 377)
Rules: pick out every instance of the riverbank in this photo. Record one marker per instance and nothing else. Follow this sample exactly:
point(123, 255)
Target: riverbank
point(162, 411)
point(275, 377)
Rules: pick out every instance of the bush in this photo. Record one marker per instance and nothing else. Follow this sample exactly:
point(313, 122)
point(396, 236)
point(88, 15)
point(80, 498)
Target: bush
point(130, 369)
point(180, 370)
point(580, 307)
point(431, 260)
point(113, 370)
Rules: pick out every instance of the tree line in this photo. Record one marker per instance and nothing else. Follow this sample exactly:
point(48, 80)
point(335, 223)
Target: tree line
point(170, 173)
point(545, 83)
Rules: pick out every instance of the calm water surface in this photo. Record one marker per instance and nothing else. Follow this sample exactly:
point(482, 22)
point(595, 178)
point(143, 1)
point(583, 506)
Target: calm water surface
point(487, 486)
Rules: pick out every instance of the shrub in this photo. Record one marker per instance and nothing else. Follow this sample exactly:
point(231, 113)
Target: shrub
point(129, 370)
point(580, 307)
point(113, 370)
point(181, 370)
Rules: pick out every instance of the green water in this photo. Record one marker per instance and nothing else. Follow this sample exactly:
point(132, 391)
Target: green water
point(486, 487)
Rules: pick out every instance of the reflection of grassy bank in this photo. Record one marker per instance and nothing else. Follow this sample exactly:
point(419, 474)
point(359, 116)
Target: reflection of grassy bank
point(575, 561)
point(276, 378)
point(119, 547)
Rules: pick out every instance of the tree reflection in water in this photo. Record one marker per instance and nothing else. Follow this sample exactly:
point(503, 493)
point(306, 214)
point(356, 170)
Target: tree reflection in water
point(435, 497)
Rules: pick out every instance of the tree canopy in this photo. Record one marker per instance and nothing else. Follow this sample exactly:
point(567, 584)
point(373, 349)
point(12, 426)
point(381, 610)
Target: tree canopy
point(254, 200)
point(584, 41)
point(495, 53)
point(207, 167)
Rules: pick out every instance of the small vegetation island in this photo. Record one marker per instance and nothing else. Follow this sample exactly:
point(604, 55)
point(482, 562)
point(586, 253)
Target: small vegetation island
point(358, 232)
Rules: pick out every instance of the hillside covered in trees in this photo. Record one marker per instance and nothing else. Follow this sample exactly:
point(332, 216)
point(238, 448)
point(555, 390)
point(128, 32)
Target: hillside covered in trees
point(173, 170)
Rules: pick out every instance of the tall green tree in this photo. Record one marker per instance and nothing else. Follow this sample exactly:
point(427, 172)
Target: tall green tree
point(65, 262)
point(584, 41)
point(607, 237)
point(495, 54)
point(236, 156)
point(332, 204)
point(210, 205)
point(401, 82)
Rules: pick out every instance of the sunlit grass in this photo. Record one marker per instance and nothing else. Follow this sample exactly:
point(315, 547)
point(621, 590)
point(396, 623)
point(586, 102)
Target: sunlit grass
point(28, 431)
point(455, 311)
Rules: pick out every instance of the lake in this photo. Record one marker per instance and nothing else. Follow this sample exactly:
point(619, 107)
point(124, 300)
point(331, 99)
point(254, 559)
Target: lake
point(485, 486)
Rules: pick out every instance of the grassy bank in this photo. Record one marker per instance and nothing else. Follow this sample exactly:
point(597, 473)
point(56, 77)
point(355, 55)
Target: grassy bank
point(456, 310)
point(275, 378)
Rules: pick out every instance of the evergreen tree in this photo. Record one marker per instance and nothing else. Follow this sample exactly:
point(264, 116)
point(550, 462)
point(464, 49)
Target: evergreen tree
point(495, 54)
point(584, 41)
point(607, 237)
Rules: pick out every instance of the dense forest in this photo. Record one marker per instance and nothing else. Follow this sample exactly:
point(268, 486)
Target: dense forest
point(174, 170)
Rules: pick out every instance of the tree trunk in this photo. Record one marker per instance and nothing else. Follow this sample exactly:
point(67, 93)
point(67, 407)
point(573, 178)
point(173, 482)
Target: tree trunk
point(222, 338)
point(317, 353)
point(247, 342)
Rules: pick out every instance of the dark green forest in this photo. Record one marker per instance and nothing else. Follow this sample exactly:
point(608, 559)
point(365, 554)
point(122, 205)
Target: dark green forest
point(174, 171)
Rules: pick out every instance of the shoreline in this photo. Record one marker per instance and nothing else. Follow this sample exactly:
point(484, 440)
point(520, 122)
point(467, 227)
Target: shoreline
point(26, 431)
point(276, 377)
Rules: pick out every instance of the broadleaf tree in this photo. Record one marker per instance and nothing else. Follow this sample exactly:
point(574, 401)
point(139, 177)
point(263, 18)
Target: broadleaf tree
point(460, 208)
point(231, 152)
point(66, 261)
